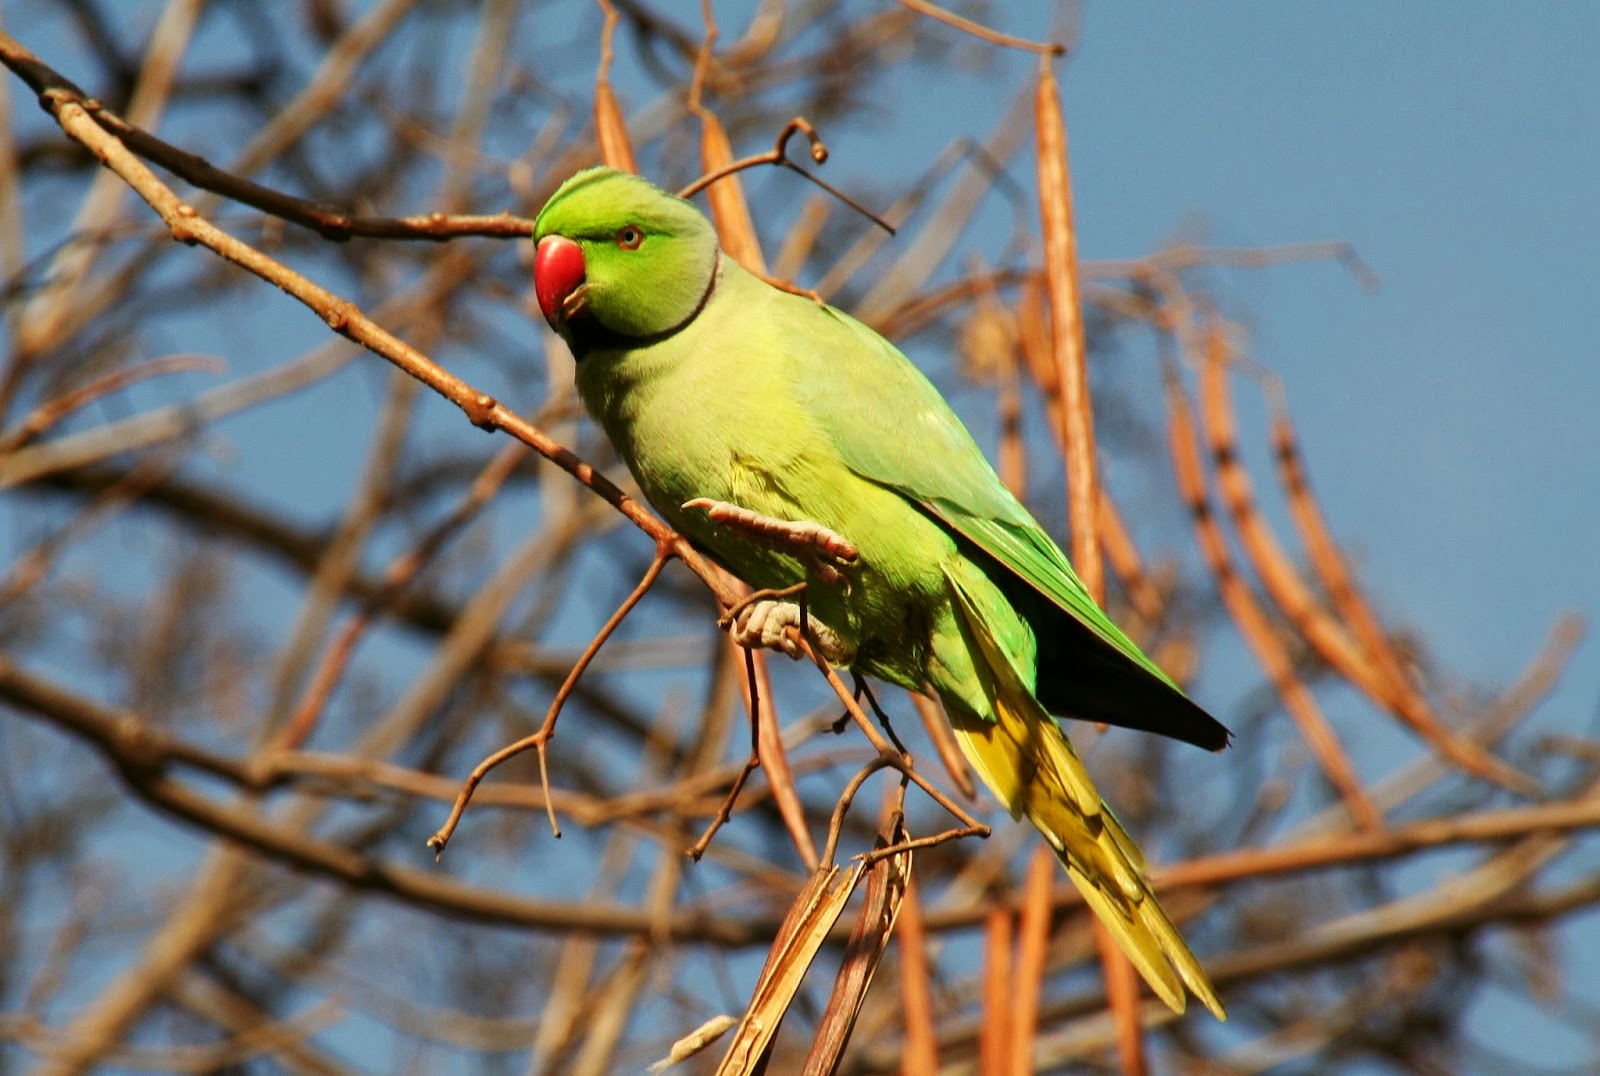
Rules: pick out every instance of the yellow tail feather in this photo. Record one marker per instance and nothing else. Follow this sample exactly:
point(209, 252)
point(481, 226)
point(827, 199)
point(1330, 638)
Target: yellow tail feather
point(1027, 762)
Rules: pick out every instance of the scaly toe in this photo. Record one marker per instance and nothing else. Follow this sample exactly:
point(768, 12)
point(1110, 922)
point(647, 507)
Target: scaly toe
point(774, 633)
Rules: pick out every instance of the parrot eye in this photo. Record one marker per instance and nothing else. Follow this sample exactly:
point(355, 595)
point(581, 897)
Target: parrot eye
point(629, 237)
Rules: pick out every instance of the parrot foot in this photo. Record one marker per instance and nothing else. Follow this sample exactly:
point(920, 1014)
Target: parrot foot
point(820, 549)
point(766, 623)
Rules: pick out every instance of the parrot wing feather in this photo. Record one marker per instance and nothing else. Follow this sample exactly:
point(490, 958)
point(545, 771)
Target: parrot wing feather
point(898, 431)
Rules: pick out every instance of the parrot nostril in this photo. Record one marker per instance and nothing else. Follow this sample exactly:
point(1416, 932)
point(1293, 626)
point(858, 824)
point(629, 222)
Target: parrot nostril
point(558, 271)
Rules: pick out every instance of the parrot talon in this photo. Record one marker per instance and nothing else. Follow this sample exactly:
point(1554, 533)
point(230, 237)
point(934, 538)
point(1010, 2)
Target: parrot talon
point(765, 623)
point(727, 618)
point(819, 548)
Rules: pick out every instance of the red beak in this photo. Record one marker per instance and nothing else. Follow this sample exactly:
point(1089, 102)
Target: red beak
point(558, 271)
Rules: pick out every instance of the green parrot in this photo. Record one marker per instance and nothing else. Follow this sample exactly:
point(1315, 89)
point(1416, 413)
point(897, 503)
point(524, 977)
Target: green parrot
point(792, 443)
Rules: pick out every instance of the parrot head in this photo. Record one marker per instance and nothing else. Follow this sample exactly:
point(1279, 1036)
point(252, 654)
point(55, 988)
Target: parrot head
point(617, 258)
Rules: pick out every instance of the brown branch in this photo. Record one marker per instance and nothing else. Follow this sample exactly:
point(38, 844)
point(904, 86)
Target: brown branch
point(1070, 351)
point(1325, 852)
point(916, 989)
point(1033, 945)
point(725, 810)
point(65, 104)
point(347, 320)
point(356, 778)
point(998, 994)
point(842, 805)
point(328, 223)
point(779, 155)
point(774, 756)
point(1345, 850)
point(144, 755)
point(889, 756)
point(1441, 917)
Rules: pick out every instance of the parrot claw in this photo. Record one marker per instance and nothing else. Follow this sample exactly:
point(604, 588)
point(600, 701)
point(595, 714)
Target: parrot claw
point(766, 623)
point(821, 549)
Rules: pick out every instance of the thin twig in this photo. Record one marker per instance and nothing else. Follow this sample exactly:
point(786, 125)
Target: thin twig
point(540, 739)
point(983, 33)
point(903, 763)
point(775, 759)
point(778, 155)
point(328, 223)
point(937, 726)
point(725, 810)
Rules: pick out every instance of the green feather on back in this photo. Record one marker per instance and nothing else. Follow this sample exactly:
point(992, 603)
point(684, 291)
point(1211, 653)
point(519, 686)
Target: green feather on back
point(917, 446)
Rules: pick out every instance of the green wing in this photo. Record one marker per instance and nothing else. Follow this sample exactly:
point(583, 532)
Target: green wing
point(891, 426)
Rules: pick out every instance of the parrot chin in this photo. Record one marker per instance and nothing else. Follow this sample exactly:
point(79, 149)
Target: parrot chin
point(559, 280)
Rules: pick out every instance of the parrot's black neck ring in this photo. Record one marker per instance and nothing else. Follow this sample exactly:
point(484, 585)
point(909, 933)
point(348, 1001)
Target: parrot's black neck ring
point(586, 335)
